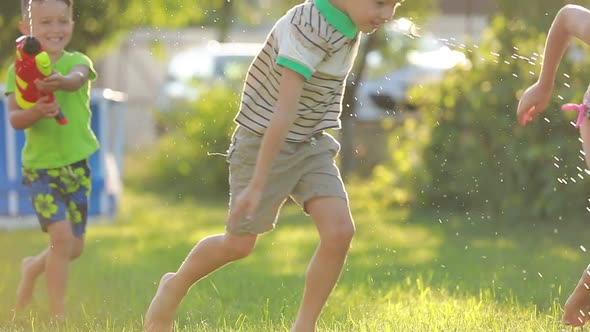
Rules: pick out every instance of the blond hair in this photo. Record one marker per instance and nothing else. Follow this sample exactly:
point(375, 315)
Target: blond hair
point(24, 5)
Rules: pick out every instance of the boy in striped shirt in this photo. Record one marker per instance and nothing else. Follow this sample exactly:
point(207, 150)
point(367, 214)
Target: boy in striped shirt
point(292, 94)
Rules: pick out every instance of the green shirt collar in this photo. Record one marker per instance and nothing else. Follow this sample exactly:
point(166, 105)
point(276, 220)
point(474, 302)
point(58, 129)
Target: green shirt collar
point(337, 18)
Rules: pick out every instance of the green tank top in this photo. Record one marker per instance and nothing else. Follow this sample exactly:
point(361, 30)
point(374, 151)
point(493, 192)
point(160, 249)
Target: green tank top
point(50, 145)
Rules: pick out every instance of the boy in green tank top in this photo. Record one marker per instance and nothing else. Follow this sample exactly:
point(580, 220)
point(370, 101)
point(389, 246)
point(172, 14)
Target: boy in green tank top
point(55, 157)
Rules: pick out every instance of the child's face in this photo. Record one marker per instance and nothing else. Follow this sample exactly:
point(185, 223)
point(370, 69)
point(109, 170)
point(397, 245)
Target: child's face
point(370, 15)
point(52, 24)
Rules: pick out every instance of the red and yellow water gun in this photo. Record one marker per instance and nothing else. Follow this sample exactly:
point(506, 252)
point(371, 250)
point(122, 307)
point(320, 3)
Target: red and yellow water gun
point(32, 63)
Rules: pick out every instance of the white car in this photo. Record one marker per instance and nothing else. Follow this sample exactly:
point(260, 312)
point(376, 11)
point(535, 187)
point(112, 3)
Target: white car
point(381, 96)
point(206, 64)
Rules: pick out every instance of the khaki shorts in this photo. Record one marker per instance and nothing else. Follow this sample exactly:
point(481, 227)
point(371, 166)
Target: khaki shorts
point(302, 171)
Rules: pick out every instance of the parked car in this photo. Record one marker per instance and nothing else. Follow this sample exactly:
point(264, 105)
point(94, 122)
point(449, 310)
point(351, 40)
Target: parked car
point(426, 61)
point(205, 65)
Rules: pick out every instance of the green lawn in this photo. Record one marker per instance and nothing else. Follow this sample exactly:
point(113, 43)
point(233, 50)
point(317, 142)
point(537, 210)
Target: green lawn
point(407, 271)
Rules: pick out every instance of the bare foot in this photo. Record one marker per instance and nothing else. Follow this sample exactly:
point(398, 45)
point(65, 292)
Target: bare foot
point(160, 315)
point(577, 307)
point(299, 327)
point(24, 292)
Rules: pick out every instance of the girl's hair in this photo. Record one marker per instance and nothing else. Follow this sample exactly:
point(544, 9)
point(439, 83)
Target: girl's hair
point(24, 5)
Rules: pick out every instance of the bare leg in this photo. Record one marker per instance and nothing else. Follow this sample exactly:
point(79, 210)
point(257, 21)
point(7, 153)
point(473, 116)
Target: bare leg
point(336, 228)
point(577, 306)
point(207, 256)
point(32, 267)
point(61, 245)
point(585, 136)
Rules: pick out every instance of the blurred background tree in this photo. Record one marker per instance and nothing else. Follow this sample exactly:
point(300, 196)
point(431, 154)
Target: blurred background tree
point(537, 16)
point(466, 151)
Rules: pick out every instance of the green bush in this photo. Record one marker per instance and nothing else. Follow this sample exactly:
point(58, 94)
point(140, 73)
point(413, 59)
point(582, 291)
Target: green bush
point(189, 158)
point(468, 152)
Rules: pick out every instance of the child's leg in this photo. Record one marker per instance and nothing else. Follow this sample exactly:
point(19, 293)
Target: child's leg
point(207, 256)
point(577, 306)
point(56, 197)
point(585, 136)
point(61, 245)
point(336, 229)
point(33, 267)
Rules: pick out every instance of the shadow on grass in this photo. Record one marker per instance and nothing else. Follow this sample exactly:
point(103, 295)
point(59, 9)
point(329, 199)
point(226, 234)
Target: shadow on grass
point(526, 263)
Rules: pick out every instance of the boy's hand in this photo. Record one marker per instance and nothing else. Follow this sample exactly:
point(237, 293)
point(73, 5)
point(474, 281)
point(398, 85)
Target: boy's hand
point(245, 205)
point(46, 109)
point(534, 101)
point(50, 83)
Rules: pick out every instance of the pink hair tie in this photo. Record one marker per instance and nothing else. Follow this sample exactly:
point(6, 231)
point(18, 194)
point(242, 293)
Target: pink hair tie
point(582, 111)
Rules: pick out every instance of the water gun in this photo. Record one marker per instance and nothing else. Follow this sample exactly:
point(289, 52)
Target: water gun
point(32, 63)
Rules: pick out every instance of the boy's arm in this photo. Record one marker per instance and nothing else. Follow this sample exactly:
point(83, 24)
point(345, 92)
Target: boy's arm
point(290, 89)
point(73, 81)
point(571, 21)
point(291, 86)
point(22, 119)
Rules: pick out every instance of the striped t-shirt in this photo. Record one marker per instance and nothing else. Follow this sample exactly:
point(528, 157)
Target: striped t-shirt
point(316, 40)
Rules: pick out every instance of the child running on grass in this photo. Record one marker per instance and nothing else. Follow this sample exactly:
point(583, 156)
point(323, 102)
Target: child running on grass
point(572, 21)
point(55, 167)
point(293, 93)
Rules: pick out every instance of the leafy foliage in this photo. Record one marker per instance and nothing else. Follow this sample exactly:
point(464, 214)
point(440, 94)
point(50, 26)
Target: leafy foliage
point(189, 157)
point(538, 18)
point(477, 157)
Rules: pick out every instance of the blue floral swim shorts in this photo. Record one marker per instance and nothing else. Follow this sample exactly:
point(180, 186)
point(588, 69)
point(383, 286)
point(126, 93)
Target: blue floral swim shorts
point(59, 194)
